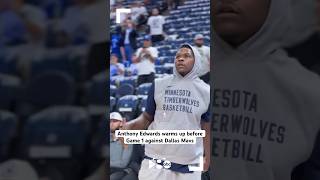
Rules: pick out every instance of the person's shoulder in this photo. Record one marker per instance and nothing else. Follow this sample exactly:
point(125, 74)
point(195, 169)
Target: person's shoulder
point(143, 8)
point(292, 72)
point(121, 65)
point(164, 78)
point(161, 82)
point(206, 86)
point(135, 8)
point(203, 85)
point(206, 47)
point(153, 48)
point(161, 17)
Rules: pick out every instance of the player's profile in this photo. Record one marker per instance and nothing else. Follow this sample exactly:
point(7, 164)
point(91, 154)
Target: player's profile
point(160, 117)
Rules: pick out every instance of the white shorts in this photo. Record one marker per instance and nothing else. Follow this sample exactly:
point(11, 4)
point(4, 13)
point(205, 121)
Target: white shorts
point(153, 173)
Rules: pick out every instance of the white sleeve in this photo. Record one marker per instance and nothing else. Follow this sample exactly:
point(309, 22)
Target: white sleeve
point(121, 66)
point(154, 52)
point(138, 52)
point(208, 52)
point(149, 21)
point(163, 20)
point(144, 11)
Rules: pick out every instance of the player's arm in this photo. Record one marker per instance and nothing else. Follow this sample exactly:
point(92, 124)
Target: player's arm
point(140, 123)
point(206, 144)
point(206, 125)
point(144, 120)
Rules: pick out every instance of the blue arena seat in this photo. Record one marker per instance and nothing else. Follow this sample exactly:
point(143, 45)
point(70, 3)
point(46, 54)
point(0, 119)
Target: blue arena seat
point(161, 70)
point(143, 89)
point(10, 87)
point(125, 89)
point(49, 88)
point(57, 136)
point(128, 105)
point(8, 128)
point(129, 80)
point(56, 132)
point(8, 65)
point(57, 61)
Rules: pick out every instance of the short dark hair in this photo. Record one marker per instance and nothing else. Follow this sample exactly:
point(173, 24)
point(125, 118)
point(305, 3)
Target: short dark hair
point(187, 46)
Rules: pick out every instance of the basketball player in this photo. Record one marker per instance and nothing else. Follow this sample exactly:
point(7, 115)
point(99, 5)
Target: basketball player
point(177, 102)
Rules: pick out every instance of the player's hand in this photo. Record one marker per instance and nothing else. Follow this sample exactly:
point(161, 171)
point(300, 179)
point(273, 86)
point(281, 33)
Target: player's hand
point(206, 163)
point(148, 56)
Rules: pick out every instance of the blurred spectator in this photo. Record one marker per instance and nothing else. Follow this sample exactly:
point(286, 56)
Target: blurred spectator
point(17, 170)
point(139, 13)
point(74, 23)
point(93, 12)
point(133, 69)
point(173, 4)
point(120, 155)
point(21, 23)
point(150, 4)
point(156, 22)
point(129, 36)
point(146, 58)
point(116, 68)
point(117, 46)
point(205, 57)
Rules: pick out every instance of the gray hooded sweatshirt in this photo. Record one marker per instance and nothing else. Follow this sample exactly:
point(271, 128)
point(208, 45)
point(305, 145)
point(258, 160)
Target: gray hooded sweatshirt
point(266, 105)
point(179, 103)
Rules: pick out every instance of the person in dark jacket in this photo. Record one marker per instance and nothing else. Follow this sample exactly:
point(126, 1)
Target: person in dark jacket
point(129, 35)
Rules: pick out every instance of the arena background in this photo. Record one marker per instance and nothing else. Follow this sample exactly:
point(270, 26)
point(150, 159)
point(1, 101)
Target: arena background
point(53, 89)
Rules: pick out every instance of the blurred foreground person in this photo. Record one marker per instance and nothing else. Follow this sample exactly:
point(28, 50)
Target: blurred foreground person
point(266, 113)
